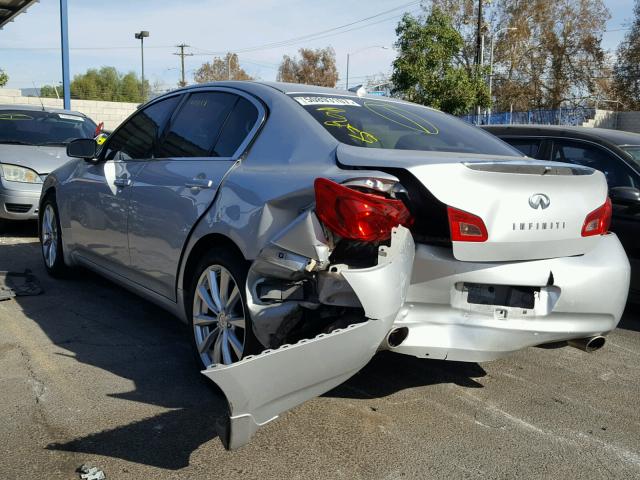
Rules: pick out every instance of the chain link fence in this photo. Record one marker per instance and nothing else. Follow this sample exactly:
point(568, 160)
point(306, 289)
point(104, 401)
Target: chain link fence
point(561, 116)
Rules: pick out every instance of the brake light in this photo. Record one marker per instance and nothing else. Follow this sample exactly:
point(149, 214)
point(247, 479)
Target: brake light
point(598, 221)
point(356, 215)
point(466, 227)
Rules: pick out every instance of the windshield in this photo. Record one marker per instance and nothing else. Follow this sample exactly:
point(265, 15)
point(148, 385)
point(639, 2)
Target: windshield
point(33, 127)
point(634, 151)
point(370, 123)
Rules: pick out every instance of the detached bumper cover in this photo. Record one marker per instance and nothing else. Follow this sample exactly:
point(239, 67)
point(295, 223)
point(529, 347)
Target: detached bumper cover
point(587, 297)
point(261, 387)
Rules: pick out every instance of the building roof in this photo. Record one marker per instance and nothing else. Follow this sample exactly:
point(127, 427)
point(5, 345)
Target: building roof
point(9, 9)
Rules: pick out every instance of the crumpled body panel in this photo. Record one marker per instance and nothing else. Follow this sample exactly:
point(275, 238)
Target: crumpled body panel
point(261, 387)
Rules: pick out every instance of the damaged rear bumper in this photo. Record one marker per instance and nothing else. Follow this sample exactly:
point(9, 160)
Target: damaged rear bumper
point(261, 387)
point(579, 296)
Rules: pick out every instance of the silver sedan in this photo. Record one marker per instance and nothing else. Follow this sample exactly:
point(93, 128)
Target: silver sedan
point(298, 230)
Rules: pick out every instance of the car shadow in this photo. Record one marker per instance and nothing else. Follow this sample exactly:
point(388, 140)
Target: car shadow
point(106, 327)
point(631, 317)
point(18, 229)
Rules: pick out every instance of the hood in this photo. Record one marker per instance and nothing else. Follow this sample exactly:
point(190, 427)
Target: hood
point(42, 159)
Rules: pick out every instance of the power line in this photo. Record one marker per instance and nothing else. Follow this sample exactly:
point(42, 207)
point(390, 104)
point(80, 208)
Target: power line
point(340, 27)
point(286, 42)
point(314, 36)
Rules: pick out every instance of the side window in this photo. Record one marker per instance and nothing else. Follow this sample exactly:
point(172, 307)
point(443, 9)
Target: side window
point(581, 153)
point(238, 125)
point(529, 146)
point(135, 139)
point(196, 127)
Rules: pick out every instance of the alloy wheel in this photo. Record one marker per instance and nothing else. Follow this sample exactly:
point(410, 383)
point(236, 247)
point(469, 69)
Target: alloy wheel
point(49, 236)
point(218, 317)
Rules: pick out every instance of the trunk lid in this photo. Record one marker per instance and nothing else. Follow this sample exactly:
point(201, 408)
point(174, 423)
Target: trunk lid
point(508, 193)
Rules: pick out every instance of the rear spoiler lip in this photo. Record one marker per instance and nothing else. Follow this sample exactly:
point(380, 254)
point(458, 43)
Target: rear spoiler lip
point(530, 168)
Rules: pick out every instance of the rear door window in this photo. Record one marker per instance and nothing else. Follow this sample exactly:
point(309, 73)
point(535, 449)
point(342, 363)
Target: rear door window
point(529, 146)
point(372, 123)
point(196, 127)
point(240, 122)
point(135, 139)
point(582, 153)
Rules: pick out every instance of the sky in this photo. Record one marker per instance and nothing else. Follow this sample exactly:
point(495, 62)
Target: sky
point(102, 33)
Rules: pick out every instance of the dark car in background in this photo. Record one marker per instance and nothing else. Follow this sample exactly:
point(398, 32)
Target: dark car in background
point(613, 152)
point(33, 142)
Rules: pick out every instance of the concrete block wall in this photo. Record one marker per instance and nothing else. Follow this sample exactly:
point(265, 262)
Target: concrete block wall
point(602, 119)
point(629, 121)
point(111, 113)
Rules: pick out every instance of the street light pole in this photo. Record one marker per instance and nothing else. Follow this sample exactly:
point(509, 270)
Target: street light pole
point(141, 35)
point(347, 88)
point(358, 51)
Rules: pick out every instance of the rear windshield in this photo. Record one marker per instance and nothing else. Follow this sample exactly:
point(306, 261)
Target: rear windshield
point(33, 127)
point(365, 122)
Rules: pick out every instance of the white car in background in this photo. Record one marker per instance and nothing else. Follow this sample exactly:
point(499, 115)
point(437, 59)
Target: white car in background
point(33, 142)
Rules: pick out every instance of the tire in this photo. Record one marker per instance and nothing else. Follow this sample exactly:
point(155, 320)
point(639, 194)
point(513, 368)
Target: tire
point(227, 336)
point(51, 238)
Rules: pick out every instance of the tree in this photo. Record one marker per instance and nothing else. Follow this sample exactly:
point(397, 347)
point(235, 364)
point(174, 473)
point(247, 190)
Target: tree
point(314, 67)
point(428, 69)
point(553, 57)
point(4, 78)
point(103, 84)
point(626, 82)
point(50, 91)
point(227, 68)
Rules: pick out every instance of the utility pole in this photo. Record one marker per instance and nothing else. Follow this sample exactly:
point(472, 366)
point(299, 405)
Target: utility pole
point(479, 49)
point(181, 54)
point(479, 35)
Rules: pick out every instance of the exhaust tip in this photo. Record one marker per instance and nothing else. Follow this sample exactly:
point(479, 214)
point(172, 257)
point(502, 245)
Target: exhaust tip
point(589, 344)
point(397, 336)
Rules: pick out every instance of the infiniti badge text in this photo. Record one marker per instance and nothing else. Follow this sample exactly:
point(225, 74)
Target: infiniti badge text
point(539, 226)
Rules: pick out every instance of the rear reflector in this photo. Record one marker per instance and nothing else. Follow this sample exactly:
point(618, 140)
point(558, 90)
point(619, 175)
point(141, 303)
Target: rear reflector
point(356, 215)
point(466, 227)
point(598, 221)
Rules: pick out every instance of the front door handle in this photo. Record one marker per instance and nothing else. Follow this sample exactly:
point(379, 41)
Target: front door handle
point(122, 182)
point(199, 183)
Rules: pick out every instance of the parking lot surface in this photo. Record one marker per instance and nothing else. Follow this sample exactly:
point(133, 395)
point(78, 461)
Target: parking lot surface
point(92, 374)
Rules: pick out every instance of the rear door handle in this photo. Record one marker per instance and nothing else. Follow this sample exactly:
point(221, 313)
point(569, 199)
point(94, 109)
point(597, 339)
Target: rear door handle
point(122, 182)
point(199, 183)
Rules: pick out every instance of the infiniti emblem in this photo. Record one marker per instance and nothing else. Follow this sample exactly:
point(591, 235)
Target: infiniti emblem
point(539, 200)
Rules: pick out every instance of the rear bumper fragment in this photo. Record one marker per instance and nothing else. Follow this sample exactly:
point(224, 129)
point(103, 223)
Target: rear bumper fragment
point(261, 387)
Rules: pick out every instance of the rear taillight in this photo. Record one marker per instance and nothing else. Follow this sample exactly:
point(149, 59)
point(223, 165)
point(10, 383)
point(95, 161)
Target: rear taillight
point(598, 221)
point(356, 215)
point(466, 227)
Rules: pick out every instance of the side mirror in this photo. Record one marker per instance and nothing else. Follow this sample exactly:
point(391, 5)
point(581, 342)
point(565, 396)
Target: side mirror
point(82, 148)
point(628, 196)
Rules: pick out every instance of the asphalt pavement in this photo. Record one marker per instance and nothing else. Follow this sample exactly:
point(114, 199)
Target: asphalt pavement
point(91, 374)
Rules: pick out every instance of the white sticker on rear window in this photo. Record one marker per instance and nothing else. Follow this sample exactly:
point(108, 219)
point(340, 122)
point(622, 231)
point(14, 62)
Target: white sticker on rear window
point(64, 116)
point(325, 101)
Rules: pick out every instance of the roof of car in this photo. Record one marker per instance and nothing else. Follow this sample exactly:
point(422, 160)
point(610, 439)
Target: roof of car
point(616, 137)
point(36, 108)
point(286, 88)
